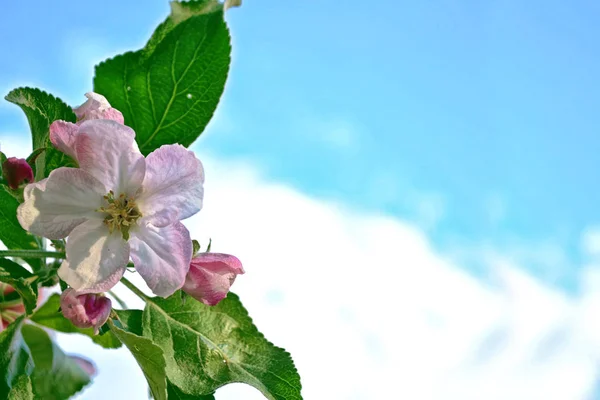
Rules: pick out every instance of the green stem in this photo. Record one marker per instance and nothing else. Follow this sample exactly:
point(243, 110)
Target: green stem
point(117, 299)
point(134, 289)
point(32, 254)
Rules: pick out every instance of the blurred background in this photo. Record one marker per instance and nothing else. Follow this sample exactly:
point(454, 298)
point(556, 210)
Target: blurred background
point(411, 186)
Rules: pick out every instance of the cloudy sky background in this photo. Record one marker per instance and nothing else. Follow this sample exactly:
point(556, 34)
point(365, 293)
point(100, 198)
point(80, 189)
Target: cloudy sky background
point(411, 187)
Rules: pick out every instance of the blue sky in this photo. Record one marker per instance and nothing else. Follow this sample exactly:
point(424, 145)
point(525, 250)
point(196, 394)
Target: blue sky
point(474, 122)
point(482, 115)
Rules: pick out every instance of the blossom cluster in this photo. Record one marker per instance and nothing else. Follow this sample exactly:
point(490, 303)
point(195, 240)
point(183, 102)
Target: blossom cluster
point(119, 206)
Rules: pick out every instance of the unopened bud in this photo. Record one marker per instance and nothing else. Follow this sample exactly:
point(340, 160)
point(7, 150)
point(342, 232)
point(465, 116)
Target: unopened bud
point(16, 171)
point(85, 310)
point(210, 277)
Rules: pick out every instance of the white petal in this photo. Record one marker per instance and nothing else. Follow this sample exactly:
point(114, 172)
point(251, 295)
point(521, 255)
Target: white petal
point(107, 150)
point(162, 256)
point(63, 135)
point(173, 186)
point(96, 260)
point(56, 205)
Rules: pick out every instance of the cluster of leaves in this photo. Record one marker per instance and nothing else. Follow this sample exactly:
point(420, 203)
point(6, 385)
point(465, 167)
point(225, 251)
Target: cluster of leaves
point(167, 92)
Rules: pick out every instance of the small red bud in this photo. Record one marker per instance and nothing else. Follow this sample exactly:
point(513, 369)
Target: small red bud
point(16, 171)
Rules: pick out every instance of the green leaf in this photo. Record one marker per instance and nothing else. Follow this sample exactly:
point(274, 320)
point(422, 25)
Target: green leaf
point(168, 91)
point(208, 347)
point(131, 321)
point(33, 367)
point(49, 316)
point(55, 159)
point(175, 394)
point(2, 159)
point(149, 357)
point(22, 389)
point(41, 110)
point(195, 247)
point(15, 362)
point(20, 279)
point(55, 376)
point(11, 233)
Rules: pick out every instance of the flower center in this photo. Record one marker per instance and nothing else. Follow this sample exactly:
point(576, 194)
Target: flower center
point(122, 213)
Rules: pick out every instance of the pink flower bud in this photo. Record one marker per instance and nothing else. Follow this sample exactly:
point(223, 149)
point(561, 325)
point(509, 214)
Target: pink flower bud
point(16, 171)
point(97, 107)
point(210, 277)
point(85, 310)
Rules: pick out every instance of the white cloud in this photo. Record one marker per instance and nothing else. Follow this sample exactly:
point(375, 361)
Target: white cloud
point(370, 310)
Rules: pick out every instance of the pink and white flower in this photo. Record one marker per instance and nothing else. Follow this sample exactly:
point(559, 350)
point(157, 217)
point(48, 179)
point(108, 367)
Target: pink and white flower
point(118, 205)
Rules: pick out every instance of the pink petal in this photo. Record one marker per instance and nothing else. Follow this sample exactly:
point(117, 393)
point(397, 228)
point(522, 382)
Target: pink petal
point(210, 277)
point(63, 135)
point(162, 256)
point(107, 150)
point(85, 310)
point(173, 186)
point(114, 114)
point(96, 260)
point(97, 107)
point(54, 206)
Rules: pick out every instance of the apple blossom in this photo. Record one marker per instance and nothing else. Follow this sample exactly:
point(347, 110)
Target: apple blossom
point(210, 277)
point(85, 310)
point(117, 205)
point(16, 171)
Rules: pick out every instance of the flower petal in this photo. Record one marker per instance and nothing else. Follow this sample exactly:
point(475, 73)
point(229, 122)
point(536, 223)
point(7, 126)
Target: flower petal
point(107, 150)
point(114, 114)
point(54, 206)
point(162, 256)
point(62, 136)
point(173, 186)
point(96, 260)
point(97, 107)
point(210, 277)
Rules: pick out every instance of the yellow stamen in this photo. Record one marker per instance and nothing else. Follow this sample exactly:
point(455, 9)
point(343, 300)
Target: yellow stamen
point(122, 213)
